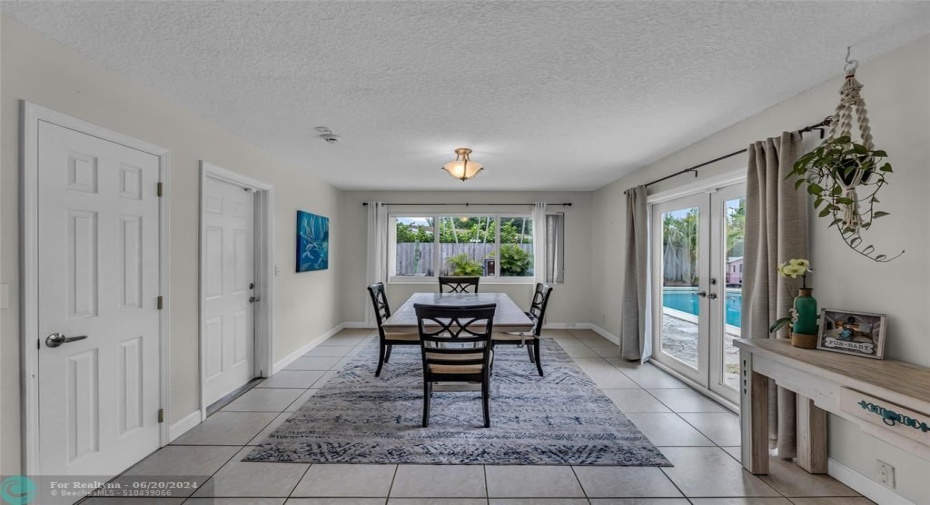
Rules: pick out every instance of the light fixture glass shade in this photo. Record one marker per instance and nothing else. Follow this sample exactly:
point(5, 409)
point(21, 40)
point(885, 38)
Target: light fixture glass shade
point(463, 168)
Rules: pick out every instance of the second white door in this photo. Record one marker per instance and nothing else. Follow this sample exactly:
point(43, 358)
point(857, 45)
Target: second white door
point(228, 286)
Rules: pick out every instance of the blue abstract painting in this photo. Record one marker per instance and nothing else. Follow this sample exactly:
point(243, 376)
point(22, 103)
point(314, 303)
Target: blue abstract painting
point(312, 242)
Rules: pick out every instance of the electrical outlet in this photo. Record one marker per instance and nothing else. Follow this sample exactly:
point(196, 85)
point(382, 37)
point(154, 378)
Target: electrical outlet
point(885, 474)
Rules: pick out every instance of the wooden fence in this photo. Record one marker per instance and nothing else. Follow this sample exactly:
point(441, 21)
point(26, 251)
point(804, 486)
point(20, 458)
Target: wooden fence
point(417, 259)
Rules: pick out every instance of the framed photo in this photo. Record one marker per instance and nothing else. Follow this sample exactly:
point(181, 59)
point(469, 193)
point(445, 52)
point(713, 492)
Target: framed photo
point(857, 333)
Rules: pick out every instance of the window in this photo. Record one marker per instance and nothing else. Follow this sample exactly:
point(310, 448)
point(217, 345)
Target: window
point(516, 250)
point(414, 246)
point(484, 245)
point(467, 245)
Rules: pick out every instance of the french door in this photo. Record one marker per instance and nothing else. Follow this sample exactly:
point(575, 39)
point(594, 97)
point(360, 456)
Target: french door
point(697, 258)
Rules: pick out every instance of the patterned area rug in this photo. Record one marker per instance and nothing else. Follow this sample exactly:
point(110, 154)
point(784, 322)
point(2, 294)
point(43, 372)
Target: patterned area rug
point(560, 419)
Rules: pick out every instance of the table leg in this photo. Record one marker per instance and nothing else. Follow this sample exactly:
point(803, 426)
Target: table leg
point(812, 436)
point(754, 417)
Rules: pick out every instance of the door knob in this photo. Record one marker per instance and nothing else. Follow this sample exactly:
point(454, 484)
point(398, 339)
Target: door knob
point(712, 296)
point(253, 299)
point(56, 339)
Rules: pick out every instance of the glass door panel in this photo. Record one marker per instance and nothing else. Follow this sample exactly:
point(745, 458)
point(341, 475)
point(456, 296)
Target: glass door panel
point(728, 216)
point(679, 303)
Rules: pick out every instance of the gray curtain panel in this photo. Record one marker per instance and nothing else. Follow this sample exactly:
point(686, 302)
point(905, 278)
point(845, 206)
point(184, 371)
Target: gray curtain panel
point(776, 231)
point(634, 342)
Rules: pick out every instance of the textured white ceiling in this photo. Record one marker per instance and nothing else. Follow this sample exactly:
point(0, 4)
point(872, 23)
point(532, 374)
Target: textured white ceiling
point(550, 95)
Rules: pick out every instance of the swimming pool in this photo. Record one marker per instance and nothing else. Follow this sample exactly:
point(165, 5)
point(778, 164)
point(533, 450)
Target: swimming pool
point(686, 300)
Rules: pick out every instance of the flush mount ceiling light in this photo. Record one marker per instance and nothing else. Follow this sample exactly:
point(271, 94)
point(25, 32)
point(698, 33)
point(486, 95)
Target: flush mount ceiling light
point(462, 167)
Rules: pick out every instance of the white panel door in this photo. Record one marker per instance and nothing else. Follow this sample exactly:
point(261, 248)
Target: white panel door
point(228, 250)
point(98, 287)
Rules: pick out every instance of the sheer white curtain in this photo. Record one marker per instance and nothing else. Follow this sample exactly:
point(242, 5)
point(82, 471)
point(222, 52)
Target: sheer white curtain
point(539, 241)
point(377, 251)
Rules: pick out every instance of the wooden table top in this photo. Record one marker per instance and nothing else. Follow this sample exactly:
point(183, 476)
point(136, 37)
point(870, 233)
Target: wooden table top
point(508, 317)
point(906, 379)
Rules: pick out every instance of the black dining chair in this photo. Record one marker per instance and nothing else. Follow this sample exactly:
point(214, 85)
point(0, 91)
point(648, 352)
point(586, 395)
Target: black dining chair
point(536, 313)
point(387, 340)
point(455, 344)
point(458, 284)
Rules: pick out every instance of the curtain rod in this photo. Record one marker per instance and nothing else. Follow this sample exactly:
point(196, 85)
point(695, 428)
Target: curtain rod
point(827, 121)
point(466, 204)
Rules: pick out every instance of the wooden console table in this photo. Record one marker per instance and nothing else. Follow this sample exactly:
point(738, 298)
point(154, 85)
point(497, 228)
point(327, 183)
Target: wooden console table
point(887, 399)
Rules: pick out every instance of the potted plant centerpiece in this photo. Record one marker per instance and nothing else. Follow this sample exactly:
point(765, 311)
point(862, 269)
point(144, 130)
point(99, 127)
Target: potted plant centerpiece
point(804, 313)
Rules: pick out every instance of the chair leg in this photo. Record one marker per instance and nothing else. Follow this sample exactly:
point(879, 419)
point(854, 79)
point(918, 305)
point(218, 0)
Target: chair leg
point(381, 360)
point(529, 350)
point(538, 361)
point(427, 392)
point(387, 355)
point(486, 400)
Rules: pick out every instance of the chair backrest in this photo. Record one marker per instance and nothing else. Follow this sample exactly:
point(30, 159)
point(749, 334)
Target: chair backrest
point(538, 307)
point(458, 284)
point(379, 302)
point(455, 336)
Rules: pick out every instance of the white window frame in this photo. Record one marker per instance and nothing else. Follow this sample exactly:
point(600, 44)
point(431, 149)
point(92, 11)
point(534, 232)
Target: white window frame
point(416, 279)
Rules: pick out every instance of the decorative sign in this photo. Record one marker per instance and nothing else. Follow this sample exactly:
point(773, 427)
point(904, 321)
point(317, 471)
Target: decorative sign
point(891, 417)
point(857, 333)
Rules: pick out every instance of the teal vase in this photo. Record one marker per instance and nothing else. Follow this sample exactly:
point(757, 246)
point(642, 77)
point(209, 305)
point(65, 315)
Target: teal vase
point(805, 306)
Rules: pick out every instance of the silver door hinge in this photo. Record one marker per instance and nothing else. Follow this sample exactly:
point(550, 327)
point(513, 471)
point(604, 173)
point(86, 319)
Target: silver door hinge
point(160, 189)
point(161, 415)
point(159, 303)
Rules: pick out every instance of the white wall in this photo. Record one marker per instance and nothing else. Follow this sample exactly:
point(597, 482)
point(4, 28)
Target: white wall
point(897, 93)
point(39, 70)
point(569, 302)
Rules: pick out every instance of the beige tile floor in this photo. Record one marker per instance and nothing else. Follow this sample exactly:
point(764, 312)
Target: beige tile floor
point(700, 437)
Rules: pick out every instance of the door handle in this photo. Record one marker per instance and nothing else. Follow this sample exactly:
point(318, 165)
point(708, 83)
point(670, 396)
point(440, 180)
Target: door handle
point(253, 299)
point(712, 296)
point(56, 339)
point(702, 294)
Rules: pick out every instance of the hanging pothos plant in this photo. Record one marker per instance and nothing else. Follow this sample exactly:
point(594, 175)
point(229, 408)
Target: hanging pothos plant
point(845, 176)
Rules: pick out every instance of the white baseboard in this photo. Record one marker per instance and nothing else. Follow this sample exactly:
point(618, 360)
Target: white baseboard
point(604, 333)
point(584, 326)
point(864, 485)
point(562, 326)
point(184, 425)
point(361, 324)
point(290, 358)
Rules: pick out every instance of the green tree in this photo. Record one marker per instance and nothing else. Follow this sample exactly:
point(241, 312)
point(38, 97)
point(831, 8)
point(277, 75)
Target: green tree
point(736, 229)
point(679, 236)
point(410, 233)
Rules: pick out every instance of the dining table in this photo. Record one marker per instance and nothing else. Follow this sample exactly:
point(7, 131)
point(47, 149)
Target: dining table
point(507, 318)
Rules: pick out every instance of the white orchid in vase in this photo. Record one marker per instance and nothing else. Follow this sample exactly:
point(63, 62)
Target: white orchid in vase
point(791, 269)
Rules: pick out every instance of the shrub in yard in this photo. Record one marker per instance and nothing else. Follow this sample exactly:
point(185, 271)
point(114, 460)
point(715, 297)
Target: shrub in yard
point(461, 264)
point(515, 262)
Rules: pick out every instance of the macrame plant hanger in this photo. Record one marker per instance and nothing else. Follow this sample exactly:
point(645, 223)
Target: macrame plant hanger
point(851, 102)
